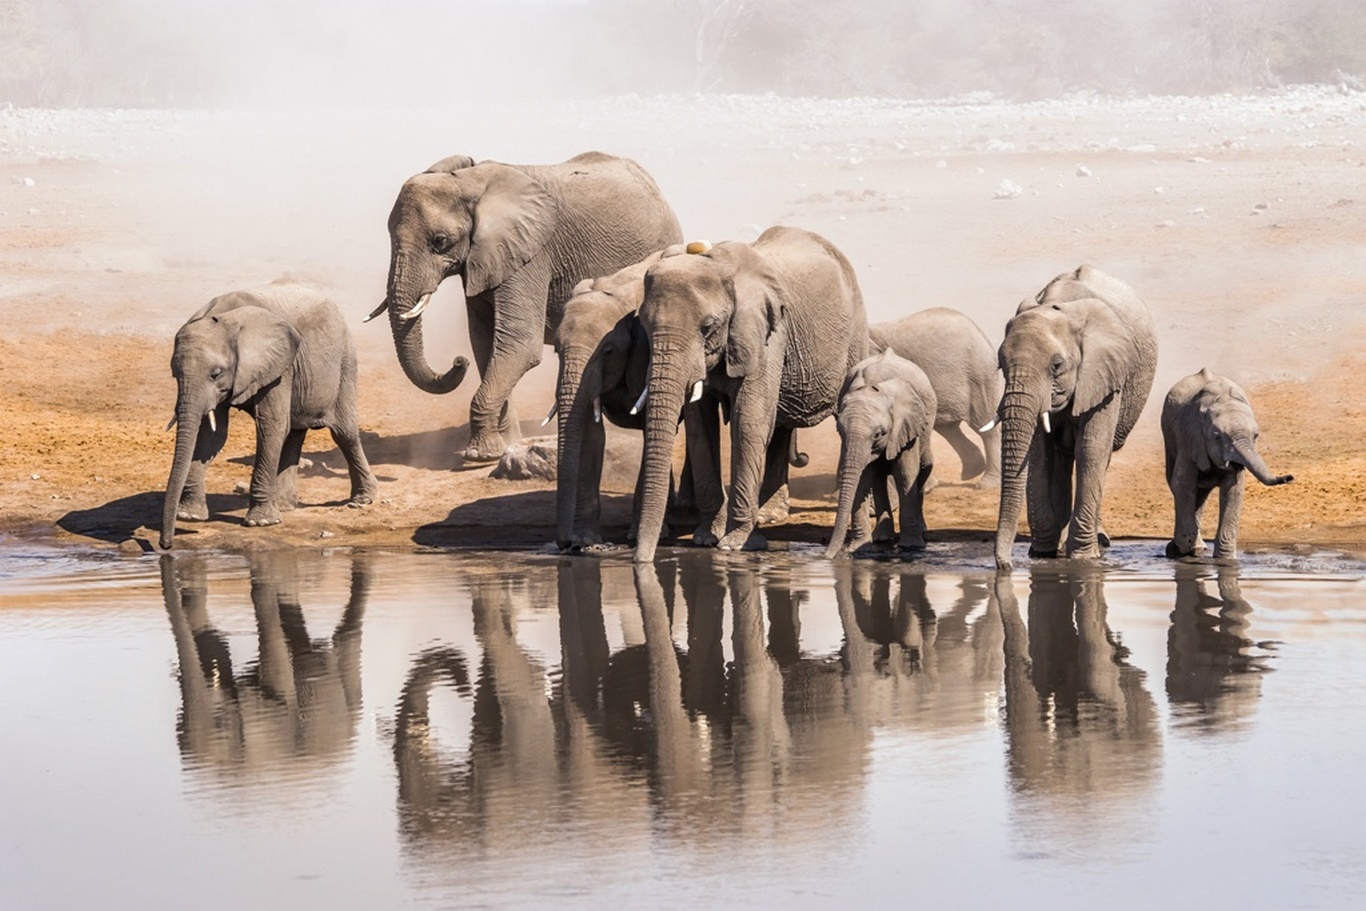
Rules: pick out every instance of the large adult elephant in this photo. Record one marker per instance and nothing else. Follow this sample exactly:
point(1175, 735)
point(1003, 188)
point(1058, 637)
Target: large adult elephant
point(1079, 360)
point(771, 328)
point(520, 237)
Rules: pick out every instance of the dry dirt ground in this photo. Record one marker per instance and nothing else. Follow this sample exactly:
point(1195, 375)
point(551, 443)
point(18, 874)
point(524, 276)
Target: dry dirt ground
point(1241, 221)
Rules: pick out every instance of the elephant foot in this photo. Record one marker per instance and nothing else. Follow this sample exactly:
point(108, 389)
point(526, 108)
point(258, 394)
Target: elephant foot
point(1086, 552)
point(740, 539)
point(197, 511)
point(884, 532)
point(1043, 553)
point(1174, 551)
point(989, 482)
point(1103, 539)
point(359, 501)
point(931, 483)
point(483, 449)
point(286, 504)
point(702, 536)
point(776, 509)
point(262, 514)
point(914, 543)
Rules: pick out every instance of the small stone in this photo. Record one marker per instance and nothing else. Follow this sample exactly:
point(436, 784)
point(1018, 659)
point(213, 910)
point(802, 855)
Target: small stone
point(1198, 210)
point(940, 165)
point(1166, 223)
point(242, 487)
point(1007, 189)
point(324, 534)
point(305, 463)
point(25, 181)
point(1159, 190)
point(1083, 171)
point(1262, 206)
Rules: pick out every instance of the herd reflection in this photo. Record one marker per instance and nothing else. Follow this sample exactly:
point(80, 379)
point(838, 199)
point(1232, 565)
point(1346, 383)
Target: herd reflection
point(711, 714)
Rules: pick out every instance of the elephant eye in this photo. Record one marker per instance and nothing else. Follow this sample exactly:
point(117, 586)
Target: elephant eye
point(441, 243)
point(215, 373)
point(709, 325)
point(1057, 364)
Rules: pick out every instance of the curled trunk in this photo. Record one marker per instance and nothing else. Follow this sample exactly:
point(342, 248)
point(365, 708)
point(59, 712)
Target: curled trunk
point(186, 435)
point(853, 461)
point(404, 294)
point(1245, 454)
point(1020, 411)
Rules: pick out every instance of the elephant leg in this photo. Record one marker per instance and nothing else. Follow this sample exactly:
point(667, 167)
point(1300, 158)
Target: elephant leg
point(510, 326)
point(1095, 443)
point(884, 524)
point(286, 475)
point(991, 447)
point(588, 499)
point(1186, 504)
point(973, 461)
point(751, 424)
point(194, 504)
point(774, 497)
point(702, 430)
point(272, 426)
point(1231, 488)
point(345, 432)
point(1048, 482)
point(911, 473)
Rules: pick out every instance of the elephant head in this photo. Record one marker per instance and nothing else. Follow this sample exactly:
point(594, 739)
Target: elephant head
point(702, 312)
point(1064, 356)
point(602, 350)
point(1228, 431)
point(479, 221)
point(224, 355)
point(880, 414)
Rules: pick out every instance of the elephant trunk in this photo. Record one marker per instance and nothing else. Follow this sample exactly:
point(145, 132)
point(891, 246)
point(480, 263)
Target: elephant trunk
point(853, 461)
point(662, 409)
point(1245, 454)
point(573, 406)
point(405, 295)
point(188, 419)
point(1020, 414)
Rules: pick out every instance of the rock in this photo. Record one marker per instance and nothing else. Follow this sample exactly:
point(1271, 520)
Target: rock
point(1083, 171)
point(242, 487)
point(35, 477)
point(324, 534)
point(532, 458)
point(1008, 189)
point(1166, 223)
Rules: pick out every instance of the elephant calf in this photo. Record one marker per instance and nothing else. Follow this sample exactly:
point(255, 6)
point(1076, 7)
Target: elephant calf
point(1210, 436)
point(281, 353)
point(885, 414)
point(961, 366)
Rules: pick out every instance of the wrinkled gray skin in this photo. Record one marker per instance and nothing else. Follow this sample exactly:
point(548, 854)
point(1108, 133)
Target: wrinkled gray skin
point(1210, 436)
point(961, 365)
point(520, 237)
point(281, 353)
point(1083, 353)
point(885, 416)
point(771, 329)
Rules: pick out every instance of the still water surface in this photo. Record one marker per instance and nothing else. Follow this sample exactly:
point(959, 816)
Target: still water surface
point(464, 730)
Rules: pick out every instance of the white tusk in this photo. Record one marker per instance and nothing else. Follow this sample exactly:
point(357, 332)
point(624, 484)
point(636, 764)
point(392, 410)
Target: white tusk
point(640, 402)
point(554, 407)
point(213, 422)
point(171, 423)
point(1047, 427)
point(418, 307)
point(597, 409)
point(383, 305)
point(989, 424)
point(696, 392)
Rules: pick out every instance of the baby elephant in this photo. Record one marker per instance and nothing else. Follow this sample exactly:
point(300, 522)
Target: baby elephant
point(885, 414)
point(282, 354)
point(1210, 436)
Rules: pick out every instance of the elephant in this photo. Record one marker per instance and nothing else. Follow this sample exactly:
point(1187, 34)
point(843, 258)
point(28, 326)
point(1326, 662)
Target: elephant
point(1210, 435)
point(771, 329)
point(885, 415)
point(281, 353)
point(1214, 665)
point(520, 237)
point(1079, 360)
point(961, 364)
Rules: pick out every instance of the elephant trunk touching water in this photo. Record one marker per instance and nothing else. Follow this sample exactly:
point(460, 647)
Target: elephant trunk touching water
point(198, 436)
point(669, 381)
point(1022, 440)
point(411, 285)
point(578, 403)
point(851, 486)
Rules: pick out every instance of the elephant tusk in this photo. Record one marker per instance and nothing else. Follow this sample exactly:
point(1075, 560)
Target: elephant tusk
point(989, 424)
point(171, 423)
point(383, 305)
point(213, 422)
point(597, 409)
point(1047, 427)
point(418, 307)
point(696, 392)
point(640, 402)
point(554, 407)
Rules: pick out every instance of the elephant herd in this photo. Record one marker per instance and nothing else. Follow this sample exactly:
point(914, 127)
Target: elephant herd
point(769, 337)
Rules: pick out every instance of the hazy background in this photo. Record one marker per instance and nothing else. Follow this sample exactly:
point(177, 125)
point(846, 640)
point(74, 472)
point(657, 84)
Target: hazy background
point(213, 53)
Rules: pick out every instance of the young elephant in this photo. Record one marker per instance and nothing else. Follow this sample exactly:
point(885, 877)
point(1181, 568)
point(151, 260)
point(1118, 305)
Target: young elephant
point(1210, 436)
point(961, 365)
point(282, 354)
point(885, 414)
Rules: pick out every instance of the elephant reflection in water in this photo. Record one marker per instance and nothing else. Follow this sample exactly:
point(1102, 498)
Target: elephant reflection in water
point(905, 665)
point(1081, 730)
point(298, 702)
point(1214, 676)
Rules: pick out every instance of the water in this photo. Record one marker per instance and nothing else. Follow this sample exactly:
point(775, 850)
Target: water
point(469, 730)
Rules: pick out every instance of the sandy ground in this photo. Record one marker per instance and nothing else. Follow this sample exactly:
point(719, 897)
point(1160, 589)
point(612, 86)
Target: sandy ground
point(1239, 220)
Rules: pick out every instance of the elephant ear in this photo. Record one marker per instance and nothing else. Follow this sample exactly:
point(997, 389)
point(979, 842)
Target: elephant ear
point(908, 416)
point(760, 304)
point(265, 345)
point(1108, 355)
point(450, 164)
point(514, 217)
